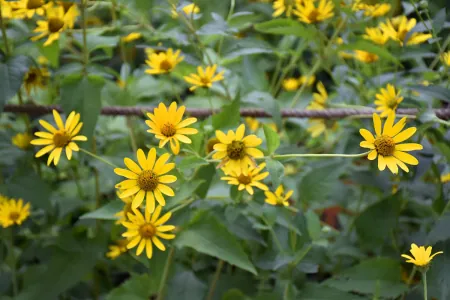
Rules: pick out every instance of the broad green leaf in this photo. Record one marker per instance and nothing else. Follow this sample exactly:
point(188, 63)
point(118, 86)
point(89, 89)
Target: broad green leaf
point(439, 20)
point(205, 174)
point(285, 27)
point(435, 91)
point(228, 117)
point(51, 52)
point(276, 171)
point(136, 288)
point(31, 188)
point(191, 162)
point(185, 192)
point(12, 72)
point(186, 286)
point(314, 291)
point(83, 95)
point(105, 212)
point(272, 139)
point(365, 45)
point(207, 235)
point(438, 274)
point(439, 231)
point(313, 223)
point(95, 41)
point(244, 47)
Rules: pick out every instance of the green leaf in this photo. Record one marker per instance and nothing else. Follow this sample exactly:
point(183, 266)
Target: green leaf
point(207, 235)
point(192, 162)
point(369, 47)
point(206, 175)
point(272, 139)
point(96, 41)
point(31, 188)
point(439, 20)
point(378, 221)
point(12, 72)
point(186, 286)
point(437, 92)
point(285, 27)
point(314, 291)
point(105, 212)
point(83, 95)
point(313, 223)
point(186, 191)
point(438, 275)
point(440, 231)
point(276, 171)
point(136, 288)
point(51, 52)
point(244, 47)
point(228, 117)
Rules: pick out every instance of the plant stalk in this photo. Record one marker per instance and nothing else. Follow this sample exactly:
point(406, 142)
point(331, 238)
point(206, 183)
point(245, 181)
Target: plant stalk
point(165, 275)
point(215, 279)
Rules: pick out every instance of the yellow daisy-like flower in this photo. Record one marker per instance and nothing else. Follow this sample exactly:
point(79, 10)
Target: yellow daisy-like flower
point(28, 8)
point(320, 126)
point(388, 100)
point(6, 9)
point(3, 199)
point(168, 126)
point(386, 144)
point(421, 257)
point(376, 35)
point(117, 249)
point(253, 124)
point(372, 10)
point(365, 56)
point(319, 98)
point(444, 178)
point(22, 140)
point(57, 21)
point(236, 151)
point(283, 7)
point(72, 12)
point(248, 181)
point(162, 62)
point(308, 12)
point(398, 28)
point(204, 77)
point(279, 197)
point(35, 78)
point(291, 84)
point(42, 60)
point(144, 232)
point(309, 81)
point(190, 9)
point(131, 37)
point(13, 212)
point(123, 214)
point(446, 58)
point(146, 180)
point(60, 138)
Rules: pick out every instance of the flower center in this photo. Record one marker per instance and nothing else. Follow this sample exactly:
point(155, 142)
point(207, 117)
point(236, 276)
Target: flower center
point(244, 179)
point(313, 15)
point(148, 180)
point(14, 216)
point(165, 65)
point(60, 139)
point(236, 150)
point(31, 77)
point(384, 145)
point(55, 24)
point(147, 230)
point(392, 103)
point(33, 4)
point(402, 34)
point(205, 80)
point(168, 130)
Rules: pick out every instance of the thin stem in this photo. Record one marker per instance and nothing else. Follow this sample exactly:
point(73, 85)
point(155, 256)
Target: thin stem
point(425, 287)
point(182, 205)
point(165, 275)
point(440, 121)
point(275, 238)
point(411, 275)
point(320, 155)
point(132, 137)
point(98, 157)
point(14, 262)
point(215, 279)
point(4, 36)
point(84, 27)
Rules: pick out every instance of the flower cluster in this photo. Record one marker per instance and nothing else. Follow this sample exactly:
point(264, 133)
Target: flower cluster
point(13, 211)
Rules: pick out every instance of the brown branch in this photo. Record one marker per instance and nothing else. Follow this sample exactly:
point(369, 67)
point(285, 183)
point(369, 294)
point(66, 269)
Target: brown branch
point(336, 113)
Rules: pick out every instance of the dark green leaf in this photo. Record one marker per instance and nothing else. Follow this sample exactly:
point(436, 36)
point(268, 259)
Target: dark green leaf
point(439, 20)
point(244, 47)
point(31, 188)
point(186, 191)
point(272, 139)
point(136, 288)
point(105, 212)
point(191, 162)
point(205, 174)
point(12, 72)
point(313, 223)
point(186, 286)
point(285, 26)
point(316, 291)
point(440, 231)
point(228, 117)
point(276, 171)
point(438, 92)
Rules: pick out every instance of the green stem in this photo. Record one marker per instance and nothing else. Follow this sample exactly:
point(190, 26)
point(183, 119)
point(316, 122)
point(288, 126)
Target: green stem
point(411, 275)
point(165, 275)
point(84, 27)
point(182, 205)
point(320, 155)
point(132, 137)
point(275, 238)
point(446, 123)
point(425, 287)
point(98, 157)
point(215, 279)
point(4, 36)
point(433, 33)
point(13, 267)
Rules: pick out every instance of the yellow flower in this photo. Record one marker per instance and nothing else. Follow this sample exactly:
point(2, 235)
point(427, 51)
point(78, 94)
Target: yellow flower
point(252, 123)
point(71, 9)
point(144, 232)
point(283, 6)
point(60, 138)
point(190, 9)
point(3, 199)
point(421, 257)
point(22, 140)
point(168, 126)
point(28, 8)
point(123, 214)
point(210, 145)
point(131, 37)
point(444, 178)
point(252, 178)
point(236, 151)
point(306, 80)
point(386, 145)
point(319, 126)
point(57, 21)
point(446, 58)
point(42, 60)
point(291, 84)
point(387, 100)
point(372, 10)
point(35, 78)
point(308, 12)
point(146, 180)
point(117, 249)
point(6, 9)
point(279, 197)
point(162, 62)
point(365, 56)
point(13, 212)
point(319, 98)
point(398, 28)
point(205, 77)
point(376, 35)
